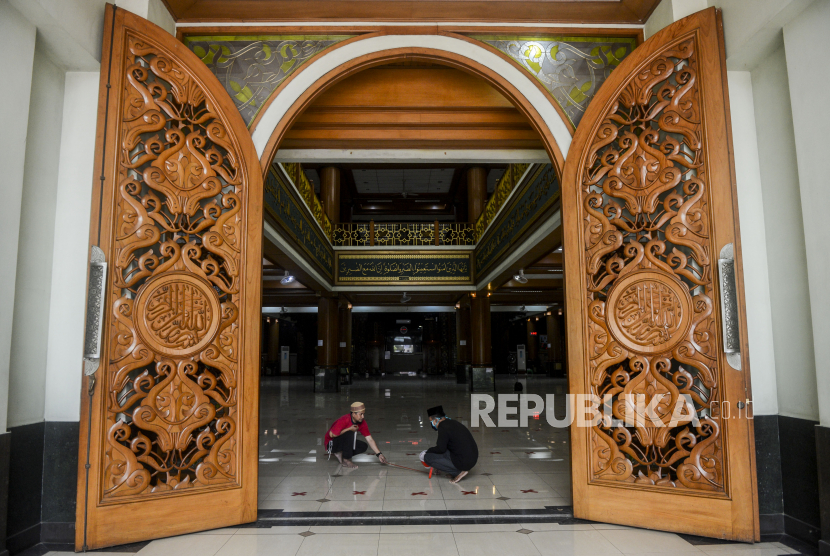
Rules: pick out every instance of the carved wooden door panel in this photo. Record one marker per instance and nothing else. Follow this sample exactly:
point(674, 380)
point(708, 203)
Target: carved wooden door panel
point(649, 207)
point(170, 428)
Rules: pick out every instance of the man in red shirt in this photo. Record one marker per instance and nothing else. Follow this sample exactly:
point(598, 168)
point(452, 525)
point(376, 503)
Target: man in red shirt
point(341, 438)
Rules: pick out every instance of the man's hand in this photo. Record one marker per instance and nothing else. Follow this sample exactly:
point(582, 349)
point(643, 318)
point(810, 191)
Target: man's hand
point(349, 429)
point(383, 459)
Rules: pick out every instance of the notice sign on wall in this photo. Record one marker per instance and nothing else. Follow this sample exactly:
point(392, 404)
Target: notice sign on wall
point(403, 329)
point(319, 342)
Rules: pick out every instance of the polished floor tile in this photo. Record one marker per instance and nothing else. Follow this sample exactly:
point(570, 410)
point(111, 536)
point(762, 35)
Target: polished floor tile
point(261, 545)
point(639, 540)
point(417, 544)
point(494, 544)
point(340, 545)
point(186, 545)
point(573, 543)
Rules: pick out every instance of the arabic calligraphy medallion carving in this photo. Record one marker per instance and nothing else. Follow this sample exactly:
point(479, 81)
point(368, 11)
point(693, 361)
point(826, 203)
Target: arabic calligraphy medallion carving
point(177, 314)
point(650, 312)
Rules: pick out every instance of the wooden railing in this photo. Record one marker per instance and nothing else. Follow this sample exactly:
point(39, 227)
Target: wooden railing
point(389, 234)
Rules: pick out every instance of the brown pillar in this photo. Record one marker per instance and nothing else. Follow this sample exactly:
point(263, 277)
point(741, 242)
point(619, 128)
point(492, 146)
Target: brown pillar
point(480, 330)
point(532, 342)
point(345, 332)
point(327, 332)
point(330, 192)
point(462, 331)
point(554, 337)
point(274, 341)
point(476, 192)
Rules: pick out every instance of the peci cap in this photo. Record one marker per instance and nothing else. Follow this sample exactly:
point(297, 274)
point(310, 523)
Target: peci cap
point(437, 410)
point(358, 406)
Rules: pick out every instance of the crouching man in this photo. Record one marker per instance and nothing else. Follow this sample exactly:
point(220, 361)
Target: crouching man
point(341, 438)
point(456, 452)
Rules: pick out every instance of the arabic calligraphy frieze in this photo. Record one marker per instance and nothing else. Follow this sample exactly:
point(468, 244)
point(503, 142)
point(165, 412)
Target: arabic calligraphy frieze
point(400, 267)
point(252, 67)
point(284, 208)
point(571, 69)
point(537, 197)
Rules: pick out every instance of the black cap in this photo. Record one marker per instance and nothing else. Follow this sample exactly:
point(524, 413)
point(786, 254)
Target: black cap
point(436, 411)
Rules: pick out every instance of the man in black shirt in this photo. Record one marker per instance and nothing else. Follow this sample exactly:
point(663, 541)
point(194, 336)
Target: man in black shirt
point(456, 452)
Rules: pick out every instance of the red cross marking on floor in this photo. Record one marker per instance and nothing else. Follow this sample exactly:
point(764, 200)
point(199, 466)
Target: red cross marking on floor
point(495, 452)
point(529, 490)
point(416, 493)
point(359, 492)
point(466, 492)
point(530, 452)
point(298, 494)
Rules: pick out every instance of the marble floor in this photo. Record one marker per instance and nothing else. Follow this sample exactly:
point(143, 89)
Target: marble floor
point(531, 539)
point(518, 468)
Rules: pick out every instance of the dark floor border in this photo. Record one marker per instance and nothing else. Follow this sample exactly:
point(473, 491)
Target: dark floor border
point(551, 514)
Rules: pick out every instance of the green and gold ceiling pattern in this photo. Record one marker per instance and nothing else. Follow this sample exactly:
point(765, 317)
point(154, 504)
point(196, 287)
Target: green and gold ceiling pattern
point(252, 67)
point(571, 69)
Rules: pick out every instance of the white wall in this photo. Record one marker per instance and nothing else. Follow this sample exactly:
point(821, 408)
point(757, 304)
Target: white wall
point(27, 373)
point(669, 11)
point(786, 253)
point(17, 40)
point(805, 39)
point(753, 244)
point(70, 253)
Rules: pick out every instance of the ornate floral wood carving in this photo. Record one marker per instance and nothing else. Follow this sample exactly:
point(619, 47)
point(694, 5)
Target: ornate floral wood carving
point(172, 385)
point(652, 329)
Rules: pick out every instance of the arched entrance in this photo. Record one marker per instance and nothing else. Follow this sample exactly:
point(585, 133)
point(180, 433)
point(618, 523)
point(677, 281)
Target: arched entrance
point(170, 439)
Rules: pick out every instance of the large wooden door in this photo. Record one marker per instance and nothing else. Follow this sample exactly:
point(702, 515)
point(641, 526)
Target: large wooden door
point(649, 208)
point(170, 427)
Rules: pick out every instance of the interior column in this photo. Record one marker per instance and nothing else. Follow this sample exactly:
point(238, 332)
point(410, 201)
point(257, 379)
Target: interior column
point(325, 375)
point(462, 332)
point(345, 333)
point(476, 192)
point(274, 345)
point(532, 345)
point(554, 340)
point(330, 192)
point(482, 378)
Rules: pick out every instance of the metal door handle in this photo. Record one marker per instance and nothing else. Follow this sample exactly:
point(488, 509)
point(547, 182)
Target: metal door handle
point(95, 310)
point(729, 306)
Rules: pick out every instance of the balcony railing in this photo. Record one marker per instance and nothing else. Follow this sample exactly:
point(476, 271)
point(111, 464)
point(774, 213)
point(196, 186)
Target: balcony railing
point(387, 234)
point(504, 188)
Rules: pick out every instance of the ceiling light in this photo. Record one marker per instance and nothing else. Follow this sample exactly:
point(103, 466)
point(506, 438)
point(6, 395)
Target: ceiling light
point(405, 298)
point(520, 277)
point(287, 279)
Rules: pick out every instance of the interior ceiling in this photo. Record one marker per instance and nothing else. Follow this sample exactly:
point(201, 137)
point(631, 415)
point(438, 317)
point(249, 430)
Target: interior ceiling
point(436, 191)
point(413, 181)
point(556, 11)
